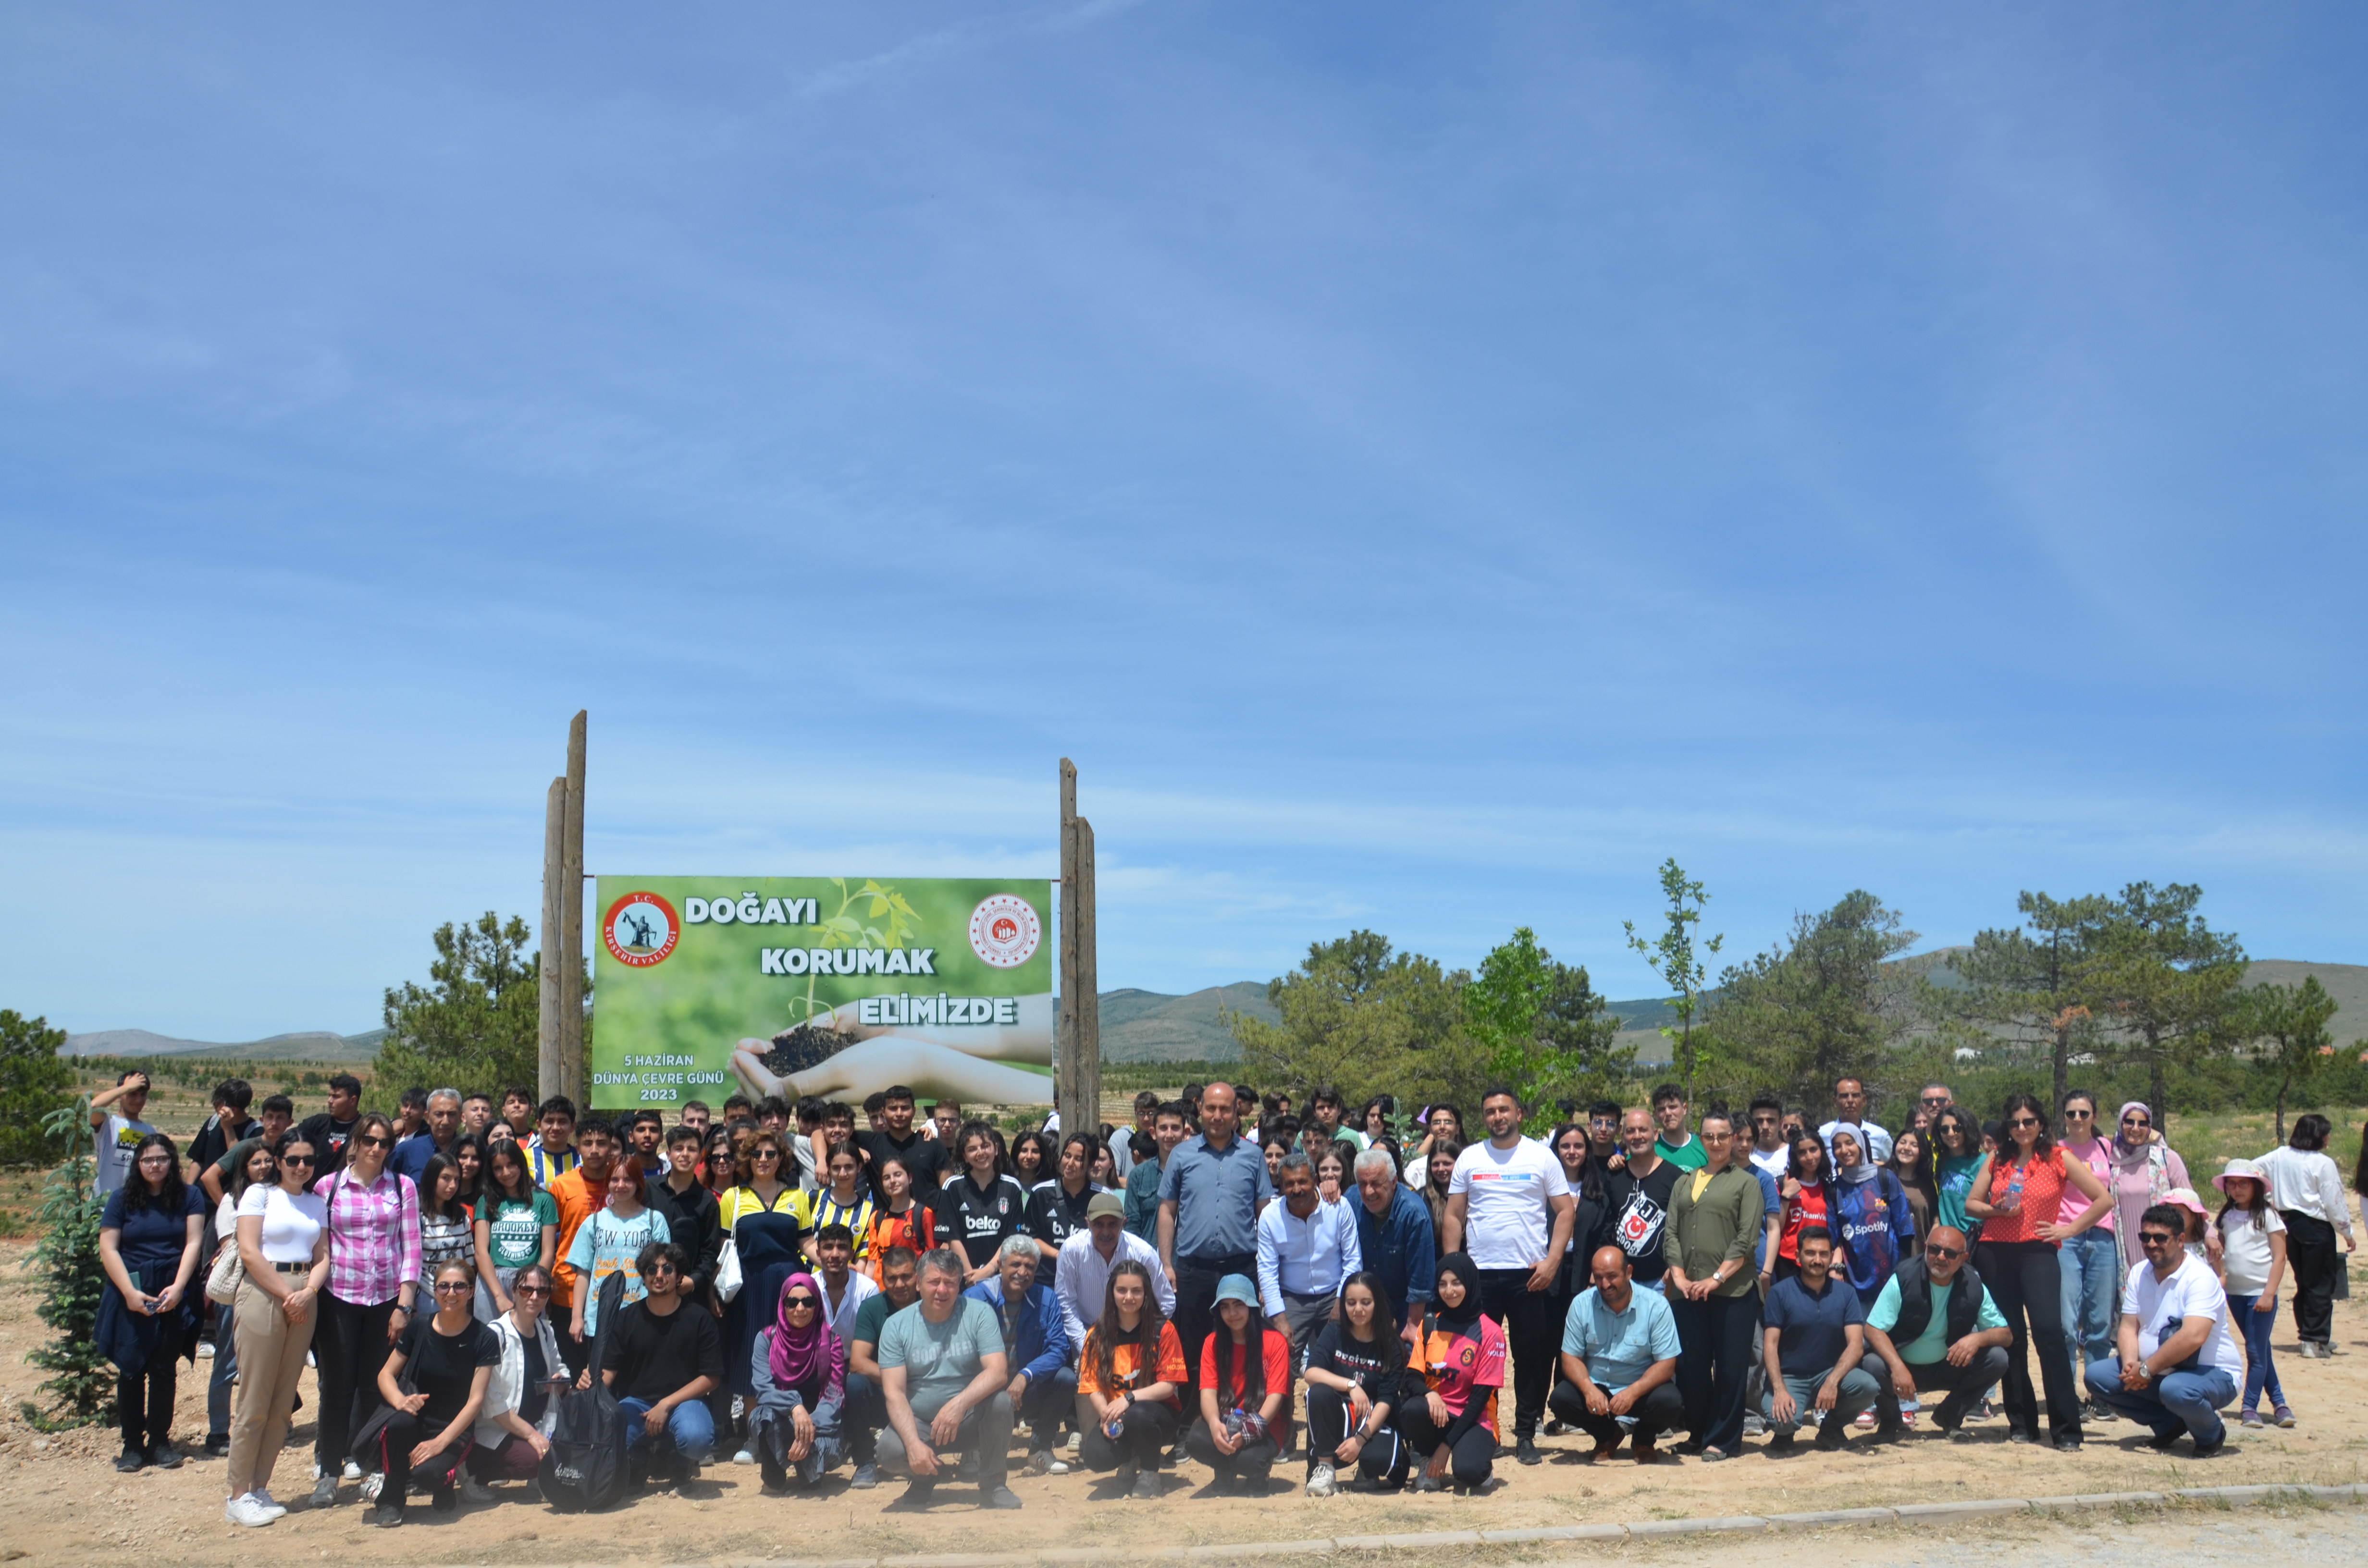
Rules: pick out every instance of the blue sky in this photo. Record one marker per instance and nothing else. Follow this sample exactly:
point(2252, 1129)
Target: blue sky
point(1425, 466)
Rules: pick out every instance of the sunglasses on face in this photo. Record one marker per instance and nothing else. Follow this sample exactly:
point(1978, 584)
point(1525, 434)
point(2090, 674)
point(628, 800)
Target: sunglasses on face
point(453, 1286)
point(765, 1154)
point(2157, 1239)
point(298, 1159)
point(529, 1290)
point(1941, 1252)
point(371, 1140)
point(799, 1304)
point(2079, 1115)
point(2024, 1121)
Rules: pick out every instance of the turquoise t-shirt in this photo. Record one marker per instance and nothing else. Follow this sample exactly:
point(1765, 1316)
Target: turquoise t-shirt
point(514, 1227)
point(1931, 1345)
point(1956, 1186)
point(939, 1358)
point(604, 1245)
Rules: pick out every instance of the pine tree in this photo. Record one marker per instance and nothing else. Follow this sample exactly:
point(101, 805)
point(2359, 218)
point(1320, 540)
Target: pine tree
point(82, 1384)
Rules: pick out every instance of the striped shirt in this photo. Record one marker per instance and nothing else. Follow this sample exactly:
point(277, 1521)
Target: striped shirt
point(547, 1166)
point(818, 1209)
point(373, 1236)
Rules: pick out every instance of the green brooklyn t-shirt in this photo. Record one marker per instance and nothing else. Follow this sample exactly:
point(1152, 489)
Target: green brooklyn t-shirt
point(514, 1234)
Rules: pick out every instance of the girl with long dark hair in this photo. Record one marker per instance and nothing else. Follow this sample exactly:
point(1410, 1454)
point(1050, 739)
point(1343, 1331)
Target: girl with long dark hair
point(1032, 1159)
point(1245, 1391)
point(1056, 1205)
point(2253, 1254)
point(1353, 1373)
point(149, 1237)
point(1957, 1155)
point(445, 1230)
point(2307, 1190)
point(1131, 1374)
point(518, 1225)
point(2018, 1195)
point(1809, 1198)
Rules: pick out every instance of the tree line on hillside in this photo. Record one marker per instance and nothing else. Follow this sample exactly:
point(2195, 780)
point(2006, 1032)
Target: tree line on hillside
point(2133, 994)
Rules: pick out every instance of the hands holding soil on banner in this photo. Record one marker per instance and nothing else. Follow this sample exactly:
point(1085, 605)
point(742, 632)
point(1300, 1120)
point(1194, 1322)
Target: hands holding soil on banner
point(964, 1062)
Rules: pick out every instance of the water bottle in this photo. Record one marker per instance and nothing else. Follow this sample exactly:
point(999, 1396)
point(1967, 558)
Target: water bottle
point(2013, 1204)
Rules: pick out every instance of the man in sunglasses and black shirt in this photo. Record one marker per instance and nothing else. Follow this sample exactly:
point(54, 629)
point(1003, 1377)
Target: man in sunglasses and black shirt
point(1936, 1327)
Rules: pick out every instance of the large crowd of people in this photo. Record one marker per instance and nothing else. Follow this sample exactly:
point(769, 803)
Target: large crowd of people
point(1225, 1285)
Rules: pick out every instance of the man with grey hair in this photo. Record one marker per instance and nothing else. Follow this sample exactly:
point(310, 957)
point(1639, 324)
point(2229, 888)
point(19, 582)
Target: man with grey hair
point(1043, 1385)
point(1306, 1250)
point(946, 1379)
point(1395, 1238)
point(442, 1131)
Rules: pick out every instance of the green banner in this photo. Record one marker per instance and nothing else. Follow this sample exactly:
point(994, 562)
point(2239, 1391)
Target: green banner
point(834, 987)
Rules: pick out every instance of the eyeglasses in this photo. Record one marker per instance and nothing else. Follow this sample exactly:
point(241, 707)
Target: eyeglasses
point(529, 1290)
point(2137, 1121)
point(2158, 1239)
point(1941, 1252)
point(454, 1287)
point(2024, 1121)
point(157, 1159)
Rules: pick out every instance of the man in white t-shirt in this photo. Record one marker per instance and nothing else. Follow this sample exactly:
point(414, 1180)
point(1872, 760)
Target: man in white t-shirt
point(116, 1128)
point(1510, 1208)
point(2179, 1364)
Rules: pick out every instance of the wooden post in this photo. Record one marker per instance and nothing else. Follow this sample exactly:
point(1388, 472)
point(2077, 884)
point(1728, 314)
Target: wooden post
point(547, 1075)
point(1085, 1080)
point(1077, 1060)
point(572, 1066)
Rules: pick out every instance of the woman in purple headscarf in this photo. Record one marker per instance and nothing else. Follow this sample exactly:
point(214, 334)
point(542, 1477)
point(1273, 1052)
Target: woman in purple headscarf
point(798, 1368)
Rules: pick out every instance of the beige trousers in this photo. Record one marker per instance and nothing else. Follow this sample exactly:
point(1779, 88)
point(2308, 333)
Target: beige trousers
point(270, 1359)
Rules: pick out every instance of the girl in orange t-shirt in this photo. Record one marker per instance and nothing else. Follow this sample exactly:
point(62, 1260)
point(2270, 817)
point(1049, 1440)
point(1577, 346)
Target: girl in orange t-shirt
point(1131, 1372)
point(1245, 1391)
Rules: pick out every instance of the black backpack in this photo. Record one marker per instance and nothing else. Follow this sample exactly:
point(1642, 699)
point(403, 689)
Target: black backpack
point(586, 1467)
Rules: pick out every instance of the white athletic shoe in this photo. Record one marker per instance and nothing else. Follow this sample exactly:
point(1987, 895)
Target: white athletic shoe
point(373, 1485)
point(474, 1491)
point(745, 1456)
point(245, 1510)
point(269, 1501)
point(353, 1472)
point(1320, 1480)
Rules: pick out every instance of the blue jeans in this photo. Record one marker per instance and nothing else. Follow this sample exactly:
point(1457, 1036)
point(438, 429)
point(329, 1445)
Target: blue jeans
point(2091, 1266)
point(689, 1429)
point(1856, 1393)
point(2253, 1328)
point(225, 1374)
point(2172, 1404)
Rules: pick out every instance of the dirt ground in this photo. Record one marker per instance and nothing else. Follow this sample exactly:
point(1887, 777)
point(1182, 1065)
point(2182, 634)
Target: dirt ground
point(65, 1505)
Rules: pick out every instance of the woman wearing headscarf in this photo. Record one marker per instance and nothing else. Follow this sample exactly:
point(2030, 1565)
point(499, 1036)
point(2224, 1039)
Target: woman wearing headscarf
point(1451, 1426)
point(2145, 1172)
point(1873, 1216)
point(798, 1368)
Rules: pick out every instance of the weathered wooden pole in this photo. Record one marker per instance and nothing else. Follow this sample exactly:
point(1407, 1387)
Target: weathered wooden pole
point(547, 1048)
point(572, 1068)
point(1086, 1081)
point(1077, 1064)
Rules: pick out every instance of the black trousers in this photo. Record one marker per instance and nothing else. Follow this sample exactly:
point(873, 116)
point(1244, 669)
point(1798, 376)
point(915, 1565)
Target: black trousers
point(1965, 1384)
point(1254, 1462)
point(1714, 1364)
point(404, 1432)
point(1662, 1409)
point(1474, 1455)
point(2026, 1282)
point(1196, 1303)
point(144, 1399)
point(348, 1348)
point(1385, 1455)
point(1532, 1340)
point(1145, 1432)
point(2311, 1254)
point(863, 1411)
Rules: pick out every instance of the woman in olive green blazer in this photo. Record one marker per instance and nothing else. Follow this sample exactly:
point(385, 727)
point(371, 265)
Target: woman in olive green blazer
point(1715, 1218)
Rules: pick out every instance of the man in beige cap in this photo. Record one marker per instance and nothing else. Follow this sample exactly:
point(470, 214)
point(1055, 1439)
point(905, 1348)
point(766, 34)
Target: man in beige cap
point(1081, 1279)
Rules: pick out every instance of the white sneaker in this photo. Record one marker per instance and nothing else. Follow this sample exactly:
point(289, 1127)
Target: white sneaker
point(372, 1484)
point(744, 1456)
point(353, 1472)
point(1059, 1467)
point(247, 1511)
point(1077, 1441)
point(316, 1469)
point(205, 1349)
point(1320, 1480)
point(476, 1490)
point(269, 1501)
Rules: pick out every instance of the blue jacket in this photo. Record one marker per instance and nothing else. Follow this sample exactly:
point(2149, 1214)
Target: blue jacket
point(1039, 1339)
point(1400, 1247)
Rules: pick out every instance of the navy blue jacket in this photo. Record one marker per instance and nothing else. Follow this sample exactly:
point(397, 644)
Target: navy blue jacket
point(1400, 1247)
point(1038, 1336)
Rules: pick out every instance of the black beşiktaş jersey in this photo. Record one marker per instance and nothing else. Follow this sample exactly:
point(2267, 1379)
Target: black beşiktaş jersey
point(982, 1219)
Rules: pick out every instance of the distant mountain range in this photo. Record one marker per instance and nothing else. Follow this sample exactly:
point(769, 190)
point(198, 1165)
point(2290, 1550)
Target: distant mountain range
point(1150, 1026)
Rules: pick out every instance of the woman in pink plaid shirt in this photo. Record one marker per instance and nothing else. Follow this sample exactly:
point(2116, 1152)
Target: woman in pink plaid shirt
point(373, 1280)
